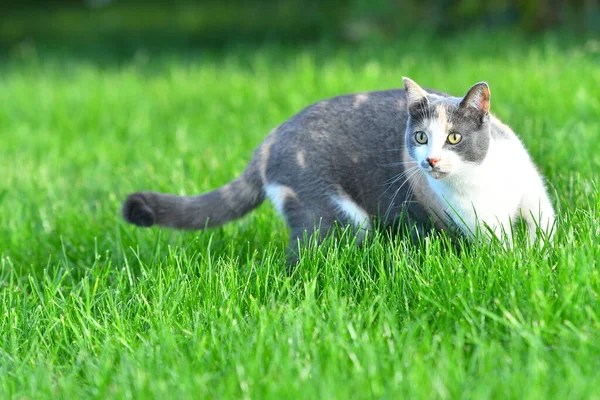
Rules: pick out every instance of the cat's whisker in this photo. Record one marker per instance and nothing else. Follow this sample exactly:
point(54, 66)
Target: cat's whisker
point(391, 205)
point(411, 189)
point(396, 164)
point(391, 184)
point(396, 178)
point(409, 193)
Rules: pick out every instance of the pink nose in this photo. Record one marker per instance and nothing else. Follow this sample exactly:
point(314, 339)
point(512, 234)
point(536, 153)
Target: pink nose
point(433, 161)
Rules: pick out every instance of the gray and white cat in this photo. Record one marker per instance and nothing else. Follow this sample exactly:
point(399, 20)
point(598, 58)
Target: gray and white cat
point(439, 160)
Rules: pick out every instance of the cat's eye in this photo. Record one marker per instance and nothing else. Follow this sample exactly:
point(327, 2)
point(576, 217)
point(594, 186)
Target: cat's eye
point(421, 137)
point(454, 138)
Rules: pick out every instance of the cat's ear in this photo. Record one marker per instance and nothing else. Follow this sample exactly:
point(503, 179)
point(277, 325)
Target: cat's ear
point(414, 93)
point(478, 97)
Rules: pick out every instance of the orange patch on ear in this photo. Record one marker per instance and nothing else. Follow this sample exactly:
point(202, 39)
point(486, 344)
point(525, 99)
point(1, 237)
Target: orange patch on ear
point(485, 100)
point(477, 97)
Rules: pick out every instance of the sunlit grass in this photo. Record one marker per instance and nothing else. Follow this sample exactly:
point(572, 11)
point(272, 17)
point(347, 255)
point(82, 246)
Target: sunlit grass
point(91, 307)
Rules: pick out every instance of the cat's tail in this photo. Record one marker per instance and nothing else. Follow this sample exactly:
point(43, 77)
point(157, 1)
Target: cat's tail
point(207, 210)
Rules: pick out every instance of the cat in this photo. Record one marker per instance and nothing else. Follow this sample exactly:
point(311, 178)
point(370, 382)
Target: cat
point(372, 158)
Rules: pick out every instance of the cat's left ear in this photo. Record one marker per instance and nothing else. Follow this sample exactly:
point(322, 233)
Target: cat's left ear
point(414, 93)
point(478, 97)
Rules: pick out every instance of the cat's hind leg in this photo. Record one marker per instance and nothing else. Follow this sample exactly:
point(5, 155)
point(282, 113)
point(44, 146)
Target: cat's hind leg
point(310, 222)
point(314, 217)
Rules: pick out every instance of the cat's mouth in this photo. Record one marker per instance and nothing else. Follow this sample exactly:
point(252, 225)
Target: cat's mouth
point(434, 168)
point(436, 173)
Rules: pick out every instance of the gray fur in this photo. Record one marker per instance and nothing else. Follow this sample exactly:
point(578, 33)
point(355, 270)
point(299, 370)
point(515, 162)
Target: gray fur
point(350, 144)
point(195, 212)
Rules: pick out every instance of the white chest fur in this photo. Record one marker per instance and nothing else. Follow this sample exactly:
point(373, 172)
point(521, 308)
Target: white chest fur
point(488, 194)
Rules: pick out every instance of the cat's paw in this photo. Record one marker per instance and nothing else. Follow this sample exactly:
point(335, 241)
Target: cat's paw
point(137, 211)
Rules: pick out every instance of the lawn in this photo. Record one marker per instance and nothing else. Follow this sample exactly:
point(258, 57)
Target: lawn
point(93, 308)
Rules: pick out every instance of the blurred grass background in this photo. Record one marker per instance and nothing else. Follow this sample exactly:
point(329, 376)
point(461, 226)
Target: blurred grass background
point(119, 27)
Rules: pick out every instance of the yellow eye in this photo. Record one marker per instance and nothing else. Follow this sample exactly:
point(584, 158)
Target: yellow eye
point(454, 138)
point(421, 137)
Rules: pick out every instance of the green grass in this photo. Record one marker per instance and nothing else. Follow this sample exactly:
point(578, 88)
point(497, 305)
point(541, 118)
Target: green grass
point(93, 308)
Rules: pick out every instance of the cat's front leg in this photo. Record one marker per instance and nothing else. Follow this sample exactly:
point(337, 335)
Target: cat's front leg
point(537, 211)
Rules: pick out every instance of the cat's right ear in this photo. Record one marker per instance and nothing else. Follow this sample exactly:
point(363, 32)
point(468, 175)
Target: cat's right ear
point(478, 98)
point(415, 95)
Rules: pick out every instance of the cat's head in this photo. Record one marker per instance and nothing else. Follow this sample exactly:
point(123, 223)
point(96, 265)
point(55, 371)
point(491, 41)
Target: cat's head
point(446, 135)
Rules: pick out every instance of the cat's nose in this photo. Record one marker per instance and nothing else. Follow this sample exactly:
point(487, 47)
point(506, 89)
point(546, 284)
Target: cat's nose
point(433, 161)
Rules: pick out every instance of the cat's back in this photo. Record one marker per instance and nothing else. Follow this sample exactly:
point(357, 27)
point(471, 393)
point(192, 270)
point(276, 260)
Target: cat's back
point(352, 111)
point(368, 114)
point(340, 132)
point(352, 122)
